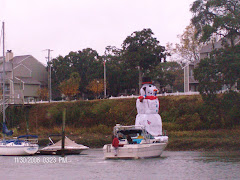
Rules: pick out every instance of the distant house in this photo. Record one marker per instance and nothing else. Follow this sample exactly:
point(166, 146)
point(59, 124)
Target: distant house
point(190, 84)
point(24, 76)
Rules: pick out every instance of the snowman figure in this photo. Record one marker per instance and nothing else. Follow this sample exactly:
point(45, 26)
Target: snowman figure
point(148, 107)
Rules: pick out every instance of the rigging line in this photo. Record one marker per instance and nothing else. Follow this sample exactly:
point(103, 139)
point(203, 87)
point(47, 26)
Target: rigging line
point(1, 36)
point(131, 112)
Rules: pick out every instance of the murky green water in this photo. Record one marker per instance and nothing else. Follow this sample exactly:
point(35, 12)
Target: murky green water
point(91, 165)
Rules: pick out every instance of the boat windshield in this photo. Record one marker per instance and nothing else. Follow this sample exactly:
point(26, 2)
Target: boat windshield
point(131, 132)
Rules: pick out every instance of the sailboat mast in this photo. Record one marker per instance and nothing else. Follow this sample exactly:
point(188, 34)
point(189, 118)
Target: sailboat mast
point(3, 75)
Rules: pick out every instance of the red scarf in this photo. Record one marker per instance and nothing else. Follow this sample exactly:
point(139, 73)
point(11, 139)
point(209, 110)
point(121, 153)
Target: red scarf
point(148, 97)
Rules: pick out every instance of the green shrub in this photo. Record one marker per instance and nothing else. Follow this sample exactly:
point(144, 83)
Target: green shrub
point(102, 129)
point(171, 115)
point(190, 122)
point(177, 112)
point(54, 114)
point(169, 126)
point(230, 106)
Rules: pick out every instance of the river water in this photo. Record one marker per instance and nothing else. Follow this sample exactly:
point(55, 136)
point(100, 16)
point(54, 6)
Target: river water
point(186, 165)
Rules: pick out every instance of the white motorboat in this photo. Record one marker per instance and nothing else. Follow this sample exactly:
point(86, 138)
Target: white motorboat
point(19, 146)
point(70, 147)
point(143, 144)
point(144, 139)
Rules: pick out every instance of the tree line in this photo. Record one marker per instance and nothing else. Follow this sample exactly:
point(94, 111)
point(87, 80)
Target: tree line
point(219, 22)
point(141, 55)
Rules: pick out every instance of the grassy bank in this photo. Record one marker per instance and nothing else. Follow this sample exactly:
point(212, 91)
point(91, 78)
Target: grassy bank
point(223, 139)
point(186, 119)
point(204, 140)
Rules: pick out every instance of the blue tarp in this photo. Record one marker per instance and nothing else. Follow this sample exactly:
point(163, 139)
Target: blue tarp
point(138, 141)
point(26, 136)
point(6, 131)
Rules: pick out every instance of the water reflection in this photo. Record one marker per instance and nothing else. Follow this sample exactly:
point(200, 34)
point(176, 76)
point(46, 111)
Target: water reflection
point(91, 165)
point(220, 156)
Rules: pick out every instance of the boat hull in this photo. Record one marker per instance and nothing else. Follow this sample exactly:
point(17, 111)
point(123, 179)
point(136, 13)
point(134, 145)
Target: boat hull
point(70, 147)
point(58, 151)
point(18, 150)
point(134, 151)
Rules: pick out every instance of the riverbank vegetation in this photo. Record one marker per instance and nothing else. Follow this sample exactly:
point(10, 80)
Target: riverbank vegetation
point(189, 122)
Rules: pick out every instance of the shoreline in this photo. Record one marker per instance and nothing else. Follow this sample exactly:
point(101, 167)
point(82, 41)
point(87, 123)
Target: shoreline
point(205, 140)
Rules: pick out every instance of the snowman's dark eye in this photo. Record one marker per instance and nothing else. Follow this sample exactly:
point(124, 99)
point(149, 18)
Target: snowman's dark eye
point(150, 86)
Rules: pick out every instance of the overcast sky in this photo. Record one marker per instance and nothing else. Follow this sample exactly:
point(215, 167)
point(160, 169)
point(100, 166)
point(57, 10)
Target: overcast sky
point(31, 26)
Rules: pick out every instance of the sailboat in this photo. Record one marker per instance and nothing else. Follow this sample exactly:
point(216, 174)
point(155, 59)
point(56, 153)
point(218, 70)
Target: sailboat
point(22, 145)
point(55, 148)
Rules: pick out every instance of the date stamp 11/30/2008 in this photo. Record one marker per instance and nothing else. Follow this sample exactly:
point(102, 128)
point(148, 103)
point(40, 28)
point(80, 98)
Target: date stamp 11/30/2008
point(37, 160)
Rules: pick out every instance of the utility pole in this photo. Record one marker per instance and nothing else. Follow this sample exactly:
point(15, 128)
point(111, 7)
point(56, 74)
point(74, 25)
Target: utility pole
point(3, 76)
point(139, 79)
point(105, 84)
point(104, 74)
point(49, 76)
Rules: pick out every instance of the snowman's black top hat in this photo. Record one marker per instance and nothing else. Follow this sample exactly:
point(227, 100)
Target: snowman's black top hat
point(146, 80)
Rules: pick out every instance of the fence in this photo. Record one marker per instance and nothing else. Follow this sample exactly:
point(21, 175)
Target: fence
point(119, 97)
point(164, 94)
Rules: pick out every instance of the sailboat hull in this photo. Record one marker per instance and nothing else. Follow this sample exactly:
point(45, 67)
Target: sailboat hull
point(18, 150)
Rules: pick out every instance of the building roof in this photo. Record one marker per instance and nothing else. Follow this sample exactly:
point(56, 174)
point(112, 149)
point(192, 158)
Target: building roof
point(16, 59)
point(19, 59)
point(27, 80)
point(209, 47)
point(14, 62)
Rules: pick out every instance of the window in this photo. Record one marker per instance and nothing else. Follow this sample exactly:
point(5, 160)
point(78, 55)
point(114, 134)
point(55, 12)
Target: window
point(191, 70)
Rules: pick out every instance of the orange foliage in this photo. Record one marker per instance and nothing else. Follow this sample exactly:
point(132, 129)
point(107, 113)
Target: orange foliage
point(96, 86)
point(70, 87)
point(43, 93)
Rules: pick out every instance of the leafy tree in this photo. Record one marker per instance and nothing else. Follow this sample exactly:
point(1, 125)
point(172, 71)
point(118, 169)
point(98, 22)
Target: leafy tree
point(43, 93)
point(60, 72)
point(141, 50)
point(222, 68)
point(210, 80)
point(70, 87)
point(96, 86)
point(169, 73)
point(86, 63)
point(89, 66)
point(216, 18)
point(120, 77)
point(188, 49)
point(228, 61)
point(114, 69)
point(1, 92)
point(230, 106)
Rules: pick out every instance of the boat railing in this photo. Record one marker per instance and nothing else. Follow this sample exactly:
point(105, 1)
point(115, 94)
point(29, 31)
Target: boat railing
point(123, 141)
point(32, 141)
